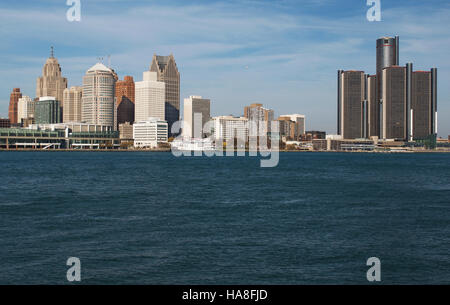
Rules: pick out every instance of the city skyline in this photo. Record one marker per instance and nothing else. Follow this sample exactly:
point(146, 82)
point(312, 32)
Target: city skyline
point(239, 67)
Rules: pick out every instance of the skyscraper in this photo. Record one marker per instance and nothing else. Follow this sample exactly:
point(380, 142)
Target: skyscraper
point(150, 98)
point(193, 107)
point(351, 104)
point(98, 96)
point(388, 55)
point(167, 72)
point(394, 103)
point(125, 91)
point(259, 119)
point(13, 101)
point(373, 116)
point(72, 103)
point(51, 83)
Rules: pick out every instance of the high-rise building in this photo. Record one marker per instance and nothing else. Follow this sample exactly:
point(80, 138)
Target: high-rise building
point(125, 91)
point(13, 102)
point(98, 96)
point(227, 128)
point(47, 110)
point(72, 103)
point(25, 108)
point(167, 72)
point(51, 83)
point(351, 104)
point(373, 116)
point(259, 119)
point(150, 98)
point(300, 123)
point(149, 133)
point(394, 103)
point(196, 114)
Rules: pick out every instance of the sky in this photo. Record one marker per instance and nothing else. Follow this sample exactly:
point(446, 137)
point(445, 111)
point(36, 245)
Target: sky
point(282, 53)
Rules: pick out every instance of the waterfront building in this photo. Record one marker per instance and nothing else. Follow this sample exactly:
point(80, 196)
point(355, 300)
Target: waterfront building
point(150, 98)
point(25, 108)
point(126, 131)
point(351, 104)
point(196, 114)
point(167, 72)
point(373, 107)
point(47, 111)
point(98, 97)
point(125, 98)
point(72, 101)
point(13, 104)
point(228, 128)
point(5, 123)
point(51, 83)
point(150, 133)
point(299, 125)
point(259, 119)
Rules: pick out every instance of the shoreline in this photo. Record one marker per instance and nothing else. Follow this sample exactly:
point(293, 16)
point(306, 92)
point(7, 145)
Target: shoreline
point(246, 151)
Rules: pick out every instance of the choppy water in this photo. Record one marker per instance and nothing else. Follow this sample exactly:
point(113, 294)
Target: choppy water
point(151, 218)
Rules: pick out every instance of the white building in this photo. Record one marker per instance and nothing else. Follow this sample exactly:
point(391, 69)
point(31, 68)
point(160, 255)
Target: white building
point(149, 133)
point(229, 127)
point(194, 107)
point(98, 96)
point(25, 108)
point(150, 97)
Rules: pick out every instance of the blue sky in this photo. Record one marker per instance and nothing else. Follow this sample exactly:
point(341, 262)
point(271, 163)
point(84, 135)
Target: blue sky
point(284, 53)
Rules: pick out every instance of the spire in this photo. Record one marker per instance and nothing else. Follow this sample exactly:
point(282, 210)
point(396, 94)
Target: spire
point(52, 52)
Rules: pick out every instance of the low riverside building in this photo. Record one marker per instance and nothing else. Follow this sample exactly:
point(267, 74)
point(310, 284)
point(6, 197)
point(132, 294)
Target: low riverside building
point(150, 133)
point(60, 136)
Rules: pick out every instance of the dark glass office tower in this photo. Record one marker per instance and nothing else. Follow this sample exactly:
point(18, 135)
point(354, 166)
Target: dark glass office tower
point(387, 56)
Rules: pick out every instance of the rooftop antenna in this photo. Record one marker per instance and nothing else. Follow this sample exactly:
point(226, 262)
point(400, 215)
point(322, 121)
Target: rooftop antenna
point(52, 52)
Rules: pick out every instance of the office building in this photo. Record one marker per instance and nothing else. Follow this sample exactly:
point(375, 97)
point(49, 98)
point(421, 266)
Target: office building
point(150, 98)
point(150, 133)
point(299, 124)
point(13, 105)
point(98, 97)
point(25, 108)
point(5, 123)
point(47, 111)
point(196, 114)
point(228, 127)
point(51, 83)
point(125, 98)
point(72, 101)
point(167, 72)
point(259, 119)
point(351, 103)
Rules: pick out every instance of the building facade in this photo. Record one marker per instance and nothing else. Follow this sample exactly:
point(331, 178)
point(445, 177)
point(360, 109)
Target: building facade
point(72, 104)
point(197, 111)
point(150, 98)
point(47, 111)
point(13, 105)
point(51, 83)
point(167, 72)
point(351, 98)
point(125, 98)
point(259, 119)
point(228, 128)
point(25, 108)
point(150, 133)
point(98, 97)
